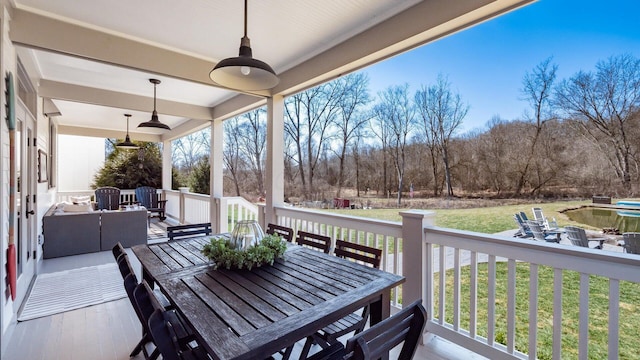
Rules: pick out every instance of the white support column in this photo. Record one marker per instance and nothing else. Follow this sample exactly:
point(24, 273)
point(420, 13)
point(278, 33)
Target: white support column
point(275, 156)
point(166, 165)
point(218, 214)
point(414, 265)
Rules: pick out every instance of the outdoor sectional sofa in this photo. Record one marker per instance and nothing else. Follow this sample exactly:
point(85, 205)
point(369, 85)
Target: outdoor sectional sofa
point(81, 232)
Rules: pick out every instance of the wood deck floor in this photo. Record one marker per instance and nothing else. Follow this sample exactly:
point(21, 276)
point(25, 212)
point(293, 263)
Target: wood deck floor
point(109, 331)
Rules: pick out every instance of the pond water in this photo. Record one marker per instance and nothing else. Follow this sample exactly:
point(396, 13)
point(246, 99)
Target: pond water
point(623, 220)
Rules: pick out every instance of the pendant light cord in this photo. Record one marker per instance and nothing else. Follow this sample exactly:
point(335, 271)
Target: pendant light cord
point(245, 18)
point(154, 97)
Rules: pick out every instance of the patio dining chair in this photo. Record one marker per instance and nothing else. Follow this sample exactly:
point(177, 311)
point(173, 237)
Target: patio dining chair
point(182, 231)
point(282, 231)
point(163, 333)
point(107, 198)
point(353, 322)
point(312, 240)
point(117, 250)
point(578, 237)
point(404, 327)
point(147, 303)
point(631, 242)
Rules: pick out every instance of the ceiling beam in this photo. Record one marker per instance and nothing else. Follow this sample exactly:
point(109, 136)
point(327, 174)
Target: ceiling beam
point(63, 91)
point(185, 129)
point(104, 133)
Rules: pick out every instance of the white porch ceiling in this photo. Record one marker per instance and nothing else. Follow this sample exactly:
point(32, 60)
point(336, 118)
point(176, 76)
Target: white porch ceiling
point(94, 58)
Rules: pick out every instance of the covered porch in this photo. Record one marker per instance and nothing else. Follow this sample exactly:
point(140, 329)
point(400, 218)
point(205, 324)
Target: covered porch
point(78, 72)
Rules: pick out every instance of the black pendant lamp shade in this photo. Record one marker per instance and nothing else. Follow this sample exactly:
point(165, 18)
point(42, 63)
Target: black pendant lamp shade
point(154, 122)
point(244, 72)
point(127, 144)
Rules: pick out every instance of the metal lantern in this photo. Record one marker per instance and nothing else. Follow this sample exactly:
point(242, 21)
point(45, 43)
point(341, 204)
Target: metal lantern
point(245, 234)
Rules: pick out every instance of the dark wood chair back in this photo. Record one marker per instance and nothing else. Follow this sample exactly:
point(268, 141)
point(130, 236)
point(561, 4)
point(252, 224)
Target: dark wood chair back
point(375, 342)
point(117, 250)
point(282, 231)
point(107, 198)
point(124, 265)
point(312, 240)
point(361, 253)
point(180, 231)
point(163, 335)
point(166, 334)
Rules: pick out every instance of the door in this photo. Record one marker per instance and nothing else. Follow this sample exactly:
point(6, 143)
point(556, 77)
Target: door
point(26, 219)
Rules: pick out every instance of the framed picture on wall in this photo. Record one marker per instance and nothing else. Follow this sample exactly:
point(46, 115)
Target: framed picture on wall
point(42, 166)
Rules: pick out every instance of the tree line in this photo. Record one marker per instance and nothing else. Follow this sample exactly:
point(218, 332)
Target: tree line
point(579, 138)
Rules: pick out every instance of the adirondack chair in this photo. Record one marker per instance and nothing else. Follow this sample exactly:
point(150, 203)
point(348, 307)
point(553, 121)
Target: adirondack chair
point(108, 198)
point(148, 197)
point(546, 223)
point(631, 242)
point(540, 234)
point(523, 227)
point(578, 237)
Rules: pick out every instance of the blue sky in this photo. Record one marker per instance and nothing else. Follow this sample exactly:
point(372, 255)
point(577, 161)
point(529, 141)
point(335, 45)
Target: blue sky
point(486, 64)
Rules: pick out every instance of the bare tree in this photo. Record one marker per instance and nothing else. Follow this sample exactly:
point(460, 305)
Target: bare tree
point(231, 153)
point(442, 112)
point(189, 149)
point(395, 112)
point(252, 141)
point(349, 120)
point(603, 104)
point(309, 116)
point(537, 91)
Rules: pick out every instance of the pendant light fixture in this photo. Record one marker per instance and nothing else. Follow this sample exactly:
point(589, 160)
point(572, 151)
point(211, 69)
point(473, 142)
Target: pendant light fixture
point(127, 144)
point(154, 122)
point(244, 72)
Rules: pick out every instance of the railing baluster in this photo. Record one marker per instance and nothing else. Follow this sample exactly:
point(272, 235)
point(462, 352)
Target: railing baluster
point(511, 305)
point(614, 318)
point(473, 296)
point(456, 289)
point(533, 310)
point(583, 332)
point(557, 314)
point(442, 272)
point(491, 301)
point(429, 280)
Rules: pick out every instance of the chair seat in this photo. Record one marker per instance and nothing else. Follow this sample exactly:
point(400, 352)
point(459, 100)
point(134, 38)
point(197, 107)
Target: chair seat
point(342, 326)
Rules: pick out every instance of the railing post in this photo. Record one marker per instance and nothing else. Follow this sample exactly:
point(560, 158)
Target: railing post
point(223, 214)
point(181, 217)
point(414, 264)
point(261, 215)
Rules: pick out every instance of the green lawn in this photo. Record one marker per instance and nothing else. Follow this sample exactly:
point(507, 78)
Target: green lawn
point(487, 220)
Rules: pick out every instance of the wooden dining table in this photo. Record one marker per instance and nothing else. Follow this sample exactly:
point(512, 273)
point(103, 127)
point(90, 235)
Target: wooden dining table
point(242, 314)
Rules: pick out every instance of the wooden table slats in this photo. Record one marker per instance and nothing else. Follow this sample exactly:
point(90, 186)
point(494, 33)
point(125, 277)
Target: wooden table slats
point(242, 314)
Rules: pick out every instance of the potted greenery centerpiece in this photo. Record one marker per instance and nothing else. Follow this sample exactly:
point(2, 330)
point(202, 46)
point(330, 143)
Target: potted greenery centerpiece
point(247, 248)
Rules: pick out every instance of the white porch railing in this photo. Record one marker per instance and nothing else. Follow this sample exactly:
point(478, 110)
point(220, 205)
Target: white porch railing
point(452, 258)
